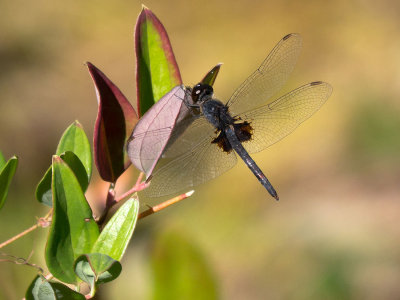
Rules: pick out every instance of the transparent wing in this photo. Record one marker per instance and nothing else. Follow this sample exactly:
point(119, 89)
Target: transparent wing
point(276, 120)
point(203, 162)
point(145, 143)
point(269, 78)
point(152, 132)
point(187, 134)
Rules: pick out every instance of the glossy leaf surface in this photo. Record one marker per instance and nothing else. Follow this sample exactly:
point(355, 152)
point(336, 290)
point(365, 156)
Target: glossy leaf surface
point(114, 123)
point(117, 233)
point(41, 289)
point(43, 190)
point(74, 139)
point(77, 167)
point(157, 70)
point(211, 76)
point(73, 230)
point(97, 268)
point(7, 171)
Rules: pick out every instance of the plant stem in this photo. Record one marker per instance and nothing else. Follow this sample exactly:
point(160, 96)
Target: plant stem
point(136, 188)
point(9, 241)
point(163, 205)
point(42, 222)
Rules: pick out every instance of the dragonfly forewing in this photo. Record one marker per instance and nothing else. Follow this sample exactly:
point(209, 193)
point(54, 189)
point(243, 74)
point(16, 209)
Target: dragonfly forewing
point(203, 162)
point(187, 134)
point(272, 122)
point(269, 78)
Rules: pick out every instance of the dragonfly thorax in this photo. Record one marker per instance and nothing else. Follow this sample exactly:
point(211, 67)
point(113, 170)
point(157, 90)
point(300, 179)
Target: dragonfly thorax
point(216, 113)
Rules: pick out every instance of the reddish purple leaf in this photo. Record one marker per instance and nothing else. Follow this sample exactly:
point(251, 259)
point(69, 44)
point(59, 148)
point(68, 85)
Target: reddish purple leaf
point(157, 71)
point(154, 129)
point(115, 121)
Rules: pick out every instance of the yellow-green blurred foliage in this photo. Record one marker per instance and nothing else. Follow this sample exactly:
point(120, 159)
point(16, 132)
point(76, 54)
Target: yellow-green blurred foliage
point(333, 235)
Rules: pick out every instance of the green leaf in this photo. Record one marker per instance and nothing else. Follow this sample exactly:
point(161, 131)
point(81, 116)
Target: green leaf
point(96, 268)
point(74, 139)
point(43, 190)
point(211, 76)
point(77, 167)
point(157, 70)
point(73, 230)
point(6, 175)
point(180, 270)
point(2, 161)
point(41, 289)
point(117, 233)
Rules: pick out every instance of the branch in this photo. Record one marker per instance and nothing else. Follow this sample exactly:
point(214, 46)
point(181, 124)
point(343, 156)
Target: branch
point(139, 186)
point(20, 261)
point(42, 222)
point(164, 204)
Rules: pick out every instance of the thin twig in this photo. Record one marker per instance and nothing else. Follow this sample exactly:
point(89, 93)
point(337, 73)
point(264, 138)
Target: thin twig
point(139, 179)
point(20, 261)
point(9, 241)
point(136, 188)
point(42, 222)
point(49, 276)
point(164, 204)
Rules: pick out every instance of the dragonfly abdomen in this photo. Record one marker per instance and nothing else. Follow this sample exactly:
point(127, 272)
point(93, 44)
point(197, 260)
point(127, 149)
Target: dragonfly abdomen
point(237, 146)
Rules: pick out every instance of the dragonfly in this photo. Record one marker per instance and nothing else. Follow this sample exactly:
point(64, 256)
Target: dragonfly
point(210, 135)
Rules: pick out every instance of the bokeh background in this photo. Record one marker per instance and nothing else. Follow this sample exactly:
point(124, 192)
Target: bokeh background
point(335, 232)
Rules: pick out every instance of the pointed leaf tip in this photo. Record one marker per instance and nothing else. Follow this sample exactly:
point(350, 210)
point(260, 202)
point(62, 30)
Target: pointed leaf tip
point(114, 123)
point(74, 139)
point(77, 124)
point(56, 159)
point(211, 76)
point(74, 149)
point(157, 71)
point(97, 268)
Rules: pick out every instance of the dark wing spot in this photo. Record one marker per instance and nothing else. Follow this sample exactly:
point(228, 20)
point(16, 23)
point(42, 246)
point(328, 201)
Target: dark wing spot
point(316, 83)
point(222, 142)
point(243, 131)
point(287, 36)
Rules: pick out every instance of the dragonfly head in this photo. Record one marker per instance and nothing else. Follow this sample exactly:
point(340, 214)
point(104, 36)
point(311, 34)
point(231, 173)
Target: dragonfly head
point(202, 92)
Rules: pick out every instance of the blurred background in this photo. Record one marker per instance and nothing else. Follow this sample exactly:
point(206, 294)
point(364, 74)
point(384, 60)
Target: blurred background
point(333, 235)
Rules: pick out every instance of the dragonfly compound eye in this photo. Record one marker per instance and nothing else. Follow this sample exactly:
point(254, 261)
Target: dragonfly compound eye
point(208, 90)
point(196, 91)
point(200, 90)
